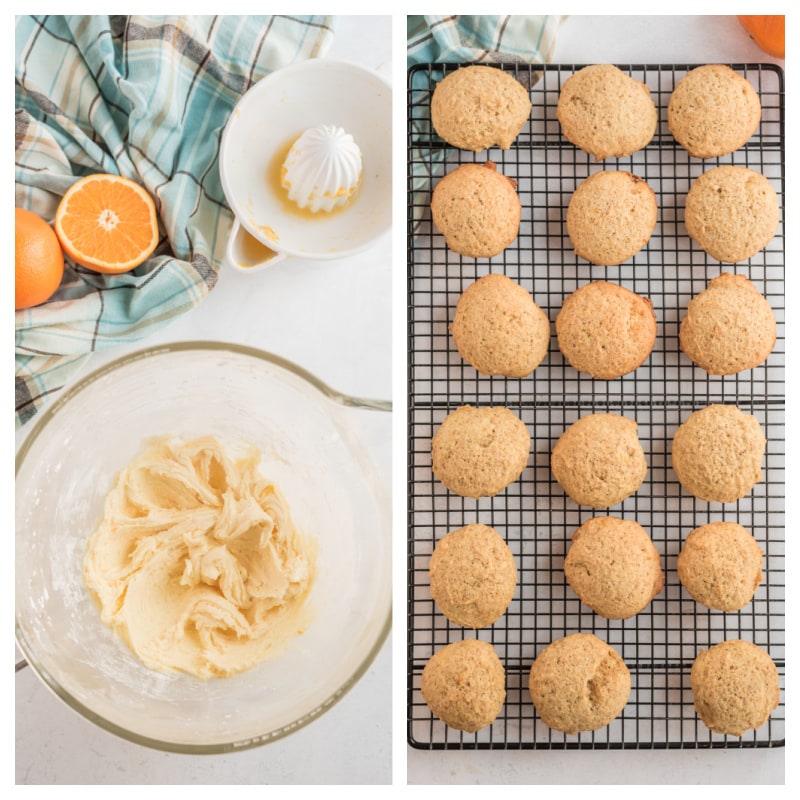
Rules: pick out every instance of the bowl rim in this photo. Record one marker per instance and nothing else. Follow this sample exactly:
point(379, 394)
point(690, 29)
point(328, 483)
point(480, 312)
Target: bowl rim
point(308, 65)
point(55, 687)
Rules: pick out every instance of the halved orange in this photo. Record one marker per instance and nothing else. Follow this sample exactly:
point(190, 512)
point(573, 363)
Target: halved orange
point(107, 223)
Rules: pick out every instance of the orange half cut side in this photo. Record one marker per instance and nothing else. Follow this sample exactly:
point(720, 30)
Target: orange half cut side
point(107, 223)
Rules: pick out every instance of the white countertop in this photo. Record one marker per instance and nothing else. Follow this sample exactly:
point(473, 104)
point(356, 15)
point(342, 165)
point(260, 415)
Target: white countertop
point(638, 40)
point(335, 320)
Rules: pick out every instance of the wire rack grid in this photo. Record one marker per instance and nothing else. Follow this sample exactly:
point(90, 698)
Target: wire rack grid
point(533, 514)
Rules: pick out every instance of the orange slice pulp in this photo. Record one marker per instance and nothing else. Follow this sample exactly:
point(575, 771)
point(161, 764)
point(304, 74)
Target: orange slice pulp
point(107, 223)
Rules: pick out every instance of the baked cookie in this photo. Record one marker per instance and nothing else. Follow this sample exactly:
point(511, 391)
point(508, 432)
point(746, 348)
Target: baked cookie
point(611, 217)
point(473, 576)
point(606, 112)
point(477, 210)
point(477, 107)
point(736, 686)
point(464, 684)
point(606, 330)
point(599, 461)
point(728, 327)
point(499, 329)
point(720, 565)
point(717, 453)
point(477, 452)
point(713, 111)
point(614, 567)
point(579, 683)
point(732, 212)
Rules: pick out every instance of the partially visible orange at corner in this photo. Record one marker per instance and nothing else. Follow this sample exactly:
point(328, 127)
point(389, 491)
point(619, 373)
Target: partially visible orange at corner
point(767, 31)
point(107, 223)
point(38, 260)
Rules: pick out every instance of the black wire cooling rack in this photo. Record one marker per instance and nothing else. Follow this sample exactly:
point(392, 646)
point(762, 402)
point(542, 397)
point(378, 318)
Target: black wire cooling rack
point(533, 514)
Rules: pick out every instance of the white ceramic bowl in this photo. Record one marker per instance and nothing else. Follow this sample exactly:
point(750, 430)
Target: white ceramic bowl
point(309, 440)
point(262, 127)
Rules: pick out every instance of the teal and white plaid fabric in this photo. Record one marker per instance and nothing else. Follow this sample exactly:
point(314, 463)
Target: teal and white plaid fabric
point(468, 39)
point(490, 39)
point(145, 97)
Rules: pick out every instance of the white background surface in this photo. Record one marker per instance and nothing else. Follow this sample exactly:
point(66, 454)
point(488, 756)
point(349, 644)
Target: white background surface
point(334, 319)
point(640, 40)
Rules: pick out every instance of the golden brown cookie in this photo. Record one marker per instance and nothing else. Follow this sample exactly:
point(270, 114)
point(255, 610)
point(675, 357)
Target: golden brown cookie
point(599, 461)
point(477, 452)
point(606, 112)
point(717, 453)
point(732, 212)
point(728, 327)
point(579, 683)
point(606, 330)
point(614, 567)
point(611, 217)
point(736, 686)
point(499, 329)
point(473, 576)
point(477, 107)
point(720, 565)
point(713, 111)
point(477, 210)
point(464, 684)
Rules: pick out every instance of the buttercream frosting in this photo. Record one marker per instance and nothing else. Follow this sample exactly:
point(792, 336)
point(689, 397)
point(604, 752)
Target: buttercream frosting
point(196, 563)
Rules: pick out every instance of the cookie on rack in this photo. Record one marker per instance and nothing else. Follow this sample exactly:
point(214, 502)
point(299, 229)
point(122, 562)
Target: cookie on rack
point(473, 576)
point(732, 212)
point(477, 107)
point(606, 330)
point(606, 112)
point(598, 460)
point(477, 210)
point(579, 683)
point(717, 453)
point(499, 329)
point(611, 217)
point(479, 451)
point(713, 111)
point(735, 686)
point(729, 327)
point(720, 565)
point(614, 567)
point(464, 684)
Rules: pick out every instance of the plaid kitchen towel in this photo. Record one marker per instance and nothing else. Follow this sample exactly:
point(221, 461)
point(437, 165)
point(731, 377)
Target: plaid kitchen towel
point(492, 39)
point(145, 97)
point(465, 39)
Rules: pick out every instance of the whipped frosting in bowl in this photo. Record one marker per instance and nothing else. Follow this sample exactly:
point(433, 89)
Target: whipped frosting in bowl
point(309, 443)
point(196, 563)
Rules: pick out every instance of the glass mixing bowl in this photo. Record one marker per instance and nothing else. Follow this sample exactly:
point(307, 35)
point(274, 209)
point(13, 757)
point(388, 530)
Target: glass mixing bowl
point(309, 437)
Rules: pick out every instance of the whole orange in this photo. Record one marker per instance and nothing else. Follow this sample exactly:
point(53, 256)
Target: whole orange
point(38, 260)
